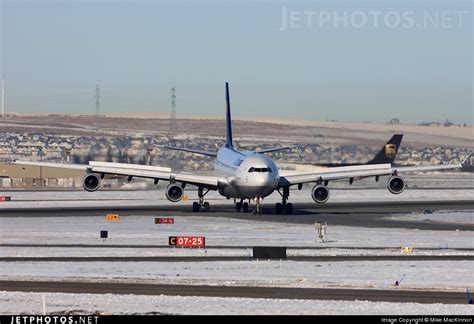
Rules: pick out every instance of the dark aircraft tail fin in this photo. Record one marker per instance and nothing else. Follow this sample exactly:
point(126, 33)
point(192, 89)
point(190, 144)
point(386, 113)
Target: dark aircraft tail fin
point(228, 120)
point(389, 151)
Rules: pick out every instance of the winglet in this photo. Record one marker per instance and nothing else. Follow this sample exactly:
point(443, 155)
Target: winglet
point(467, 160)
point(228, 120)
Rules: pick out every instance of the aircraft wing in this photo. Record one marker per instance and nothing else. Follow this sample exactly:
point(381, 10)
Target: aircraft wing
point(362, 171)
point(422, 168)
point(137, 170)
point(336, 173)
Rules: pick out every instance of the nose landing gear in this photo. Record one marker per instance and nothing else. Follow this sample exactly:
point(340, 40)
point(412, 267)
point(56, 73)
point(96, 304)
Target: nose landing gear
point(287, 207)
point(257, 209)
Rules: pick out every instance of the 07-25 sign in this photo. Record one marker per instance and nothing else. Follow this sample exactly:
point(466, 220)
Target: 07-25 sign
point(187, 240)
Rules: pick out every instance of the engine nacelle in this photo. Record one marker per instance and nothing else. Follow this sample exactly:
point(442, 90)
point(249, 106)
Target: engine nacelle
point(174, 192)
point(320, 194)
point(91, 182)
point(396, 185)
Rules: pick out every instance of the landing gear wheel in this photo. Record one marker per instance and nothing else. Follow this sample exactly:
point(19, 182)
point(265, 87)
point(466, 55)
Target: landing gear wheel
point(238, 207)
point(254, 210)
point(278, 208)
point(196, 207)
point(245, 207)
point(289, 208)
point(260, 211)
point(206, 207)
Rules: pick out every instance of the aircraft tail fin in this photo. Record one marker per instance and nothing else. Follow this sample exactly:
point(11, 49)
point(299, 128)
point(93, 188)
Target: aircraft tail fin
point(228, 120)
point(389, 151)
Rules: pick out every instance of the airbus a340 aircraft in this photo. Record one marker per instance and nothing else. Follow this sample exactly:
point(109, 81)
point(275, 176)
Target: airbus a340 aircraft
point(243, 175)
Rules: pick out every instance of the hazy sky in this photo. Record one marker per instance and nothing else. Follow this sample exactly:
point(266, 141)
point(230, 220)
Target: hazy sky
point(345, 60)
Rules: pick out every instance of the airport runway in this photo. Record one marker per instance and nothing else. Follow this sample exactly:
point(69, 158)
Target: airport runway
point(357, 214)
point(395, 295)
point(223, 247)
point(319, 258)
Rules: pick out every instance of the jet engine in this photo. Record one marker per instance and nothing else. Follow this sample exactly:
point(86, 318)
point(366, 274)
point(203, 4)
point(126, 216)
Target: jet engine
point(91, 182)
point(174, 192)
point(396, 185)
point(320, 194)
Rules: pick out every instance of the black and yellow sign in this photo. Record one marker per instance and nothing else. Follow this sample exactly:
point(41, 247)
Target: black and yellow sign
point(172, 240)
point(112, 217)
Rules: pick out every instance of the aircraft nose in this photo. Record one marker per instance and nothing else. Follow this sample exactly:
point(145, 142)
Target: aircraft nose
point(261, 185)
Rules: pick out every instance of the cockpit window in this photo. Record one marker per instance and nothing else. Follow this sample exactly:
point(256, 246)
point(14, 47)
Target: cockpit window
point(252, 169)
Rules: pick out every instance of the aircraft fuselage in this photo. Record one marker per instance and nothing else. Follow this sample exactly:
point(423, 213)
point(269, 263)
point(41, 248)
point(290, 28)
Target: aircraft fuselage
point(251, 174)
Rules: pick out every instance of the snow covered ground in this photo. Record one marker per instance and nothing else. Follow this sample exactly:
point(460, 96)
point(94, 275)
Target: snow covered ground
point(220, 231)
point(452, 275)
point(444, 216)
point(133, 230)
point(32, 303)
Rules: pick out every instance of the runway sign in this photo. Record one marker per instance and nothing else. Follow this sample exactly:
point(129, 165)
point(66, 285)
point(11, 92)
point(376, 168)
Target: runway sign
point(187, 240)
point(406, 249)
point(269, 252)
point(160, 220)
point(113, 217)
point(104, 234)
point(5, 198)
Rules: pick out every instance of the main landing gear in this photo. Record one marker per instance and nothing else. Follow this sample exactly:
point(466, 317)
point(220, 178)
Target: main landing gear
point(284, 206)
point(244, 206)
point(201, 205)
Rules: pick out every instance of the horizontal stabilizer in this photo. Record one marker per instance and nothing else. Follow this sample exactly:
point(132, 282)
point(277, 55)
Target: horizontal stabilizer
point(184, 149)
point(467, 160)
point(275, 149)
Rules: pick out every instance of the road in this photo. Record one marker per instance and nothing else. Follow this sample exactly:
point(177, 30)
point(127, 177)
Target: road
point(388, 295)
point(319, 258)
point(356, 214)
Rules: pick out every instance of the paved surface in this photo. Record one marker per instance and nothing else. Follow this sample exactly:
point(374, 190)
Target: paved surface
point(223, 247)
point(357, 214)
point(396, 295)
point(319, 258)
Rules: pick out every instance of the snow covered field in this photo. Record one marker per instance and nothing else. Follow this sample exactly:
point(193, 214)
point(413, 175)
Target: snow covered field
point(31, 303)
point(450, 276)
point(221, 231)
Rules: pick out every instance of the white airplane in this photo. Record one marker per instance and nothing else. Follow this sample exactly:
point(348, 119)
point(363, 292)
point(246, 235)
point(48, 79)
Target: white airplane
point(243, 175)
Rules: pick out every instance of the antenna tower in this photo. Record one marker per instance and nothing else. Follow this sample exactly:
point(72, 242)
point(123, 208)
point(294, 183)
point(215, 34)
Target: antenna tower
point(97, 101)
point(173, 125)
